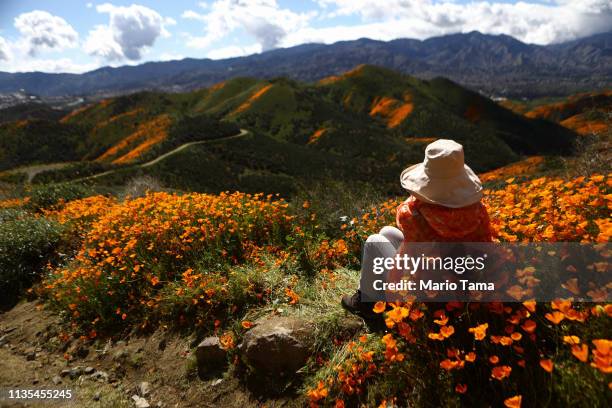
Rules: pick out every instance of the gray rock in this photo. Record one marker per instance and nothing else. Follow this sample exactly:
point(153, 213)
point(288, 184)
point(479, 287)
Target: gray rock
point(209, 355)
point(121, 355)
point(144, 389)
point(140, 402)
point(56, 380)
point(100, 376)
point(72, 372)
point(277, 346)
point(88, 370)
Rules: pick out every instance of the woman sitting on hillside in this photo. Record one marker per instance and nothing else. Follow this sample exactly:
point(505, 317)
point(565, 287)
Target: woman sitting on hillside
point(444, 206)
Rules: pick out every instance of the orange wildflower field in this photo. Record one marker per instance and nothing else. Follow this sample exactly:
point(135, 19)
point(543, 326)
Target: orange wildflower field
point(201, 260)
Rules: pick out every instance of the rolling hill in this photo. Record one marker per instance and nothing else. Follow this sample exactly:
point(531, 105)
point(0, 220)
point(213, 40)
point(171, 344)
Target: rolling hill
point(494, 64)
point(584, 113)
point(365, 125)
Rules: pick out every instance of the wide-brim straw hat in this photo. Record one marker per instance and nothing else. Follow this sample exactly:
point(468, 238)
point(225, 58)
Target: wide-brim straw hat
point(443, 178)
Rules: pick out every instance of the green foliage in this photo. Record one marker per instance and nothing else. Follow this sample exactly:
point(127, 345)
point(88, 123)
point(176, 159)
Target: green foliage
point(27, 244)
point(70, 172)
point(39, 141)
point(14, 177)
point(200, 127)
point(48, 195)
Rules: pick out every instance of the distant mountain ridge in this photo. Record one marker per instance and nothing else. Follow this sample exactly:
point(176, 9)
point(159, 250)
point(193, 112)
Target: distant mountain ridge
point(494, 64)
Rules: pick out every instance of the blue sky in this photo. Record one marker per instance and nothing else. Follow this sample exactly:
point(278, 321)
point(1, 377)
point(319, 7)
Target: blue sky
point(76, 36)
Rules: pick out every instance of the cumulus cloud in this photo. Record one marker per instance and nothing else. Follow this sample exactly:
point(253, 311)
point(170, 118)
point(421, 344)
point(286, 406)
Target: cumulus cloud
point(264, 20)
point(531, 22)
point(5, 50)
point(54, 65)
point(234, 51)
point(42, 31)
point(130, 32)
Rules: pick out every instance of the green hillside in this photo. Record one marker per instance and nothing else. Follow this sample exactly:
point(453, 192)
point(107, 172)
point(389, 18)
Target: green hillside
point(365, 125)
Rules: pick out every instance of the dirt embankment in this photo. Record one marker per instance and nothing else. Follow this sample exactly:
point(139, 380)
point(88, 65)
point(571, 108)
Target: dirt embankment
point(108, 373)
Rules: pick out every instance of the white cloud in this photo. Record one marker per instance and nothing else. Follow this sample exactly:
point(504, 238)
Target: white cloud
point(530, 22)
point(101, 43)
point(129, 33)
point(5, 50)
point(234, 51)
point(264, 20)
point(41, 31)
point(169, 56)
point(46, 65)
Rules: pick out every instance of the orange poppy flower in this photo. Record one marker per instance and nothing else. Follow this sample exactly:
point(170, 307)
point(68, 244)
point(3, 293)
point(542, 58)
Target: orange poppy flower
point(470, 357)
point(571, 340)
point(447, 331)
point(555, 317)
point(448, 365)
point(379, 307)
point(501, 372)
point(461, 388)
point(479, 331)
point(581, 352)
point(513, 402)
point(529, 326)
point(516, 336)
point(547, 365)
point(530, 305)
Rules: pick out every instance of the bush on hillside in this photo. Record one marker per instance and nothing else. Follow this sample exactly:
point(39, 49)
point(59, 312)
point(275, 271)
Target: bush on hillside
point(138, 247)
point(48, 195)
point(27, 245)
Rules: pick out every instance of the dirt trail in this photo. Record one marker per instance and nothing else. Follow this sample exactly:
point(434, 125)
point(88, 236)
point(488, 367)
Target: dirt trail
point(106, 373)
point(32, 171)
point(243, 132)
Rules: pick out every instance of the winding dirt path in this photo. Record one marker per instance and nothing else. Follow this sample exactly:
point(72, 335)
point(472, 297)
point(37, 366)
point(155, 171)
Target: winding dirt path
point(243, 132)
point(32, 171)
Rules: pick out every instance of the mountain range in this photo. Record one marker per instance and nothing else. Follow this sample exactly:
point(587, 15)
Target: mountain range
point(493, 64)
point(364, 125)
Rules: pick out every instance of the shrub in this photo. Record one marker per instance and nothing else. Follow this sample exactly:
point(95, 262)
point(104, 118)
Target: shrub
point(27, 244)
point(139, 246)
point(46, 196)
point(141, 185)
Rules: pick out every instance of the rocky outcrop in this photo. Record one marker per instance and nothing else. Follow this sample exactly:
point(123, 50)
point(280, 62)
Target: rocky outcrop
point(210, 355)
point(277, 346)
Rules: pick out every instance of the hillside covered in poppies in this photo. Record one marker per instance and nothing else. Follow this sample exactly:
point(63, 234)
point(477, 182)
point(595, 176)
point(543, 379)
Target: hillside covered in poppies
point(369, 116)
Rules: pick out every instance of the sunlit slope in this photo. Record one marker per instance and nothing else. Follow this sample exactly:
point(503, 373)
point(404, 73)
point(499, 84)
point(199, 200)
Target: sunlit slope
point(585, 114)
point(441, 108)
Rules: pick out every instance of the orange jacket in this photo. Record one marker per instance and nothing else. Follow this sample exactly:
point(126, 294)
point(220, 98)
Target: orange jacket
point(424, 222)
